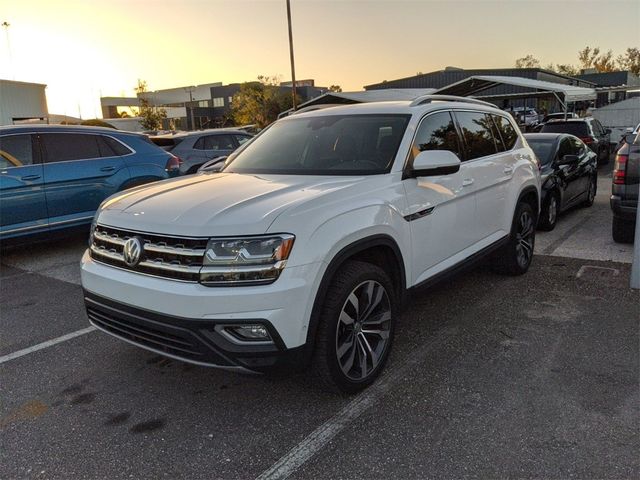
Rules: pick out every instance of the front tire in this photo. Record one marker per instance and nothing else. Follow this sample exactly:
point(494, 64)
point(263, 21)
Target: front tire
point(516, 256)
point(356, 327)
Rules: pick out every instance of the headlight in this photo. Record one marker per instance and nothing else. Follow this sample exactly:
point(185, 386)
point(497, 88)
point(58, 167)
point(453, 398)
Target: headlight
point(245, 261)
point(93, 228)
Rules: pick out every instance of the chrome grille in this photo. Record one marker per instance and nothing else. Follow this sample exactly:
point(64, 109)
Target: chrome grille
point(177, 258)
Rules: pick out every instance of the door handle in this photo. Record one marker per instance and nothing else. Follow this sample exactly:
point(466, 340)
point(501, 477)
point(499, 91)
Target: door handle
point(28, 178)
point(107, 169)
point(508, 170)
point(467, 181)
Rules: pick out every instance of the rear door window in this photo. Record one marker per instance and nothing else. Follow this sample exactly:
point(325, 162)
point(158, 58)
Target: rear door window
point(218, 142)
point(110, 147)
point(242, 139)
point(436, 132)
point(507, 132)
point(64, 147)
point(16, 151)
point(477, 134)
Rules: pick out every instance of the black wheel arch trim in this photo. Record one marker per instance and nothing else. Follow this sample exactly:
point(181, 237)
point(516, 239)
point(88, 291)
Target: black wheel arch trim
point(360, 245)
point(526, 191)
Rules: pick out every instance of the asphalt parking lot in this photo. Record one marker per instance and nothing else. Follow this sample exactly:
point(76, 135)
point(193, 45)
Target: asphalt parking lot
point(490, 377)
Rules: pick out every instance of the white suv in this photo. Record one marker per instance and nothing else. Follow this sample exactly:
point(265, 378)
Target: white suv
point(303, 248)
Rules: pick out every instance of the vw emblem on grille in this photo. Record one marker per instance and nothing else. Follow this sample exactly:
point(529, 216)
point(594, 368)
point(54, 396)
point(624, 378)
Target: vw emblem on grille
point(131, 251)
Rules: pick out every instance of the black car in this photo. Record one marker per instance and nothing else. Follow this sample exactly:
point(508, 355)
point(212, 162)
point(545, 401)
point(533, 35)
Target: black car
point(569, 173)
point(589, 130)
point(624, 194)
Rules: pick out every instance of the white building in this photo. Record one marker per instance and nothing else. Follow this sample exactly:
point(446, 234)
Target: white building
point(21, 101)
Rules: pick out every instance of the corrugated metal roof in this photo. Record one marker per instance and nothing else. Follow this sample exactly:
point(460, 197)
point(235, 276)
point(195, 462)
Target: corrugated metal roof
point(386, 95)
point(475, 85)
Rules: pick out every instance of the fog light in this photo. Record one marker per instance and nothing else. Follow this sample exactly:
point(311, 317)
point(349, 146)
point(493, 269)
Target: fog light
point(250, 332)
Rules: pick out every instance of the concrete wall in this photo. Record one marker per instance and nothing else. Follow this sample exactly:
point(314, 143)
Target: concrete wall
point(21, 101)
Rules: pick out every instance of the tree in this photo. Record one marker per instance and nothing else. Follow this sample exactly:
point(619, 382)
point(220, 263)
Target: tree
point(605, 62)
point(259, 103)
point(587, 57)
point(564, 69)
point(150, 116)
point(630, 60)
point(335, 88)
point(567, 69)
point(528, 61)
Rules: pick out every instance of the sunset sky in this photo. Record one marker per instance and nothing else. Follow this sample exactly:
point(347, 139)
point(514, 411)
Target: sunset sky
point(85, 49)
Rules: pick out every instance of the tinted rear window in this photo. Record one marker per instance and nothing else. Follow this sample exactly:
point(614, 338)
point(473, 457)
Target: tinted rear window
point(477, 133)
point(579, 129)
point(62, 147)
point(167, 144)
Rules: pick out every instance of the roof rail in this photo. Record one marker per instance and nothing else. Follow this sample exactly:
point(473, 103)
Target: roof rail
point(422, 99)
point(310, 108)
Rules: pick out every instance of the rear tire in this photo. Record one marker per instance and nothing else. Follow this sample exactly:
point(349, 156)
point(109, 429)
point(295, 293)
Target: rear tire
point(550, 211)
point(591, 192)
point(355, 331)
point(622, 231)
point(516, 256)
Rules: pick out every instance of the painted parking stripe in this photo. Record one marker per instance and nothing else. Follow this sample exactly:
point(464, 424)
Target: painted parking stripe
point(322, 435)
point(48, 343)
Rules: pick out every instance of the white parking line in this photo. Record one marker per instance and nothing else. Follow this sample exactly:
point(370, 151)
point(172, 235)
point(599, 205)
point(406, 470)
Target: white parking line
point(322, 435)
point(46, 344)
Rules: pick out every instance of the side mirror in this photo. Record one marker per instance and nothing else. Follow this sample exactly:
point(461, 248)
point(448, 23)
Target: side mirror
point(568, 160)
point(607, 131)
point(434, 162)
point(214, 165)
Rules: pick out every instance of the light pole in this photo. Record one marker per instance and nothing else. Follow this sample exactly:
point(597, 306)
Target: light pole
point(190, 90)
point(293, 67)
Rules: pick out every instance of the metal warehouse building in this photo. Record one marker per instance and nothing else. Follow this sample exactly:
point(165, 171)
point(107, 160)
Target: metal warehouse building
point(450, 75)
point(22, 101)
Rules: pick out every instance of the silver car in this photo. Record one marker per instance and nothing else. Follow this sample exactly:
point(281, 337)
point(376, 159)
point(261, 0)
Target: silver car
point(197, 148)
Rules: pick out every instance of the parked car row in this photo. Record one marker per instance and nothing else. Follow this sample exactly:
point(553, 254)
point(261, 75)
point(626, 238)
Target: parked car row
point(587, 129)
point(569, 174)
point(197, 148)
point(53, 178)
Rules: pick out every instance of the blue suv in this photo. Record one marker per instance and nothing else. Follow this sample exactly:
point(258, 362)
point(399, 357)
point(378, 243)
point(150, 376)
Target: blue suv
point(55, 177)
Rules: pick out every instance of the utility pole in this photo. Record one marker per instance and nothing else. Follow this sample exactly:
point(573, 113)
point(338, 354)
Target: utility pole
point(190, 90)
point(293, 67)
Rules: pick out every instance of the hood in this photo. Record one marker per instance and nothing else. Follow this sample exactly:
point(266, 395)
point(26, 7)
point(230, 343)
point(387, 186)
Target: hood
point(222, 204)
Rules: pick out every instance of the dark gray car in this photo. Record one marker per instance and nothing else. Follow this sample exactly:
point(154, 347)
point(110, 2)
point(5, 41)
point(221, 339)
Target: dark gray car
point(197, 148)
point(624, 192)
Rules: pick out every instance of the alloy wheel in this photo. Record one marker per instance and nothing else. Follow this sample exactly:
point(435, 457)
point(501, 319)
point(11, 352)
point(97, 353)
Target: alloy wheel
point(592, 190)
point(553, 210)
point(525, 238)
point(363, 330)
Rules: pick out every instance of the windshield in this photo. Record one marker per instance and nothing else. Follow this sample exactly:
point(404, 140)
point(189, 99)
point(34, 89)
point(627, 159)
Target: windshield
point(324, 145)
point(544, 149)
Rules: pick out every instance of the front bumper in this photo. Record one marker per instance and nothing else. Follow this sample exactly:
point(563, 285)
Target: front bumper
point(183, 320)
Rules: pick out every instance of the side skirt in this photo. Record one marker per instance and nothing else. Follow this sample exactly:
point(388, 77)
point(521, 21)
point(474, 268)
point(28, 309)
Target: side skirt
point(465, 264)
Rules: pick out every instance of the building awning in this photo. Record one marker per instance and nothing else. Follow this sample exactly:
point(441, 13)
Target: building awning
point(475, 85)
